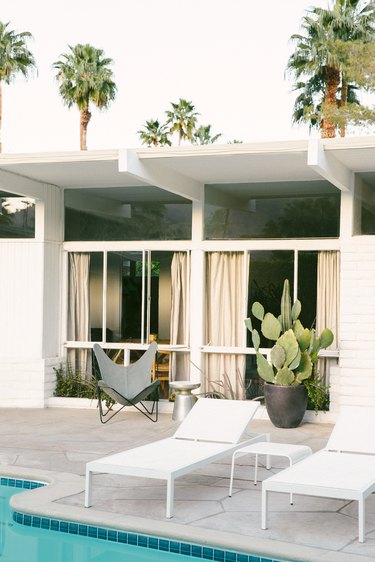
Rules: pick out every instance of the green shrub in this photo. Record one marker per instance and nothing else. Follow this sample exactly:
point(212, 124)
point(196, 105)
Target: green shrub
point(70, 383)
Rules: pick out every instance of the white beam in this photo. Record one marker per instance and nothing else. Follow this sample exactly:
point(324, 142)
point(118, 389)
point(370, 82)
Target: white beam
point(20, 185)
point(328, 166)
point(96, 205)
point(155, 173)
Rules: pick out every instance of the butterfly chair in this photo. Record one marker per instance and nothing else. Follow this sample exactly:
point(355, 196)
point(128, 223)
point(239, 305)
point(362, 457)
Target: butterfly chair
point(127, 386)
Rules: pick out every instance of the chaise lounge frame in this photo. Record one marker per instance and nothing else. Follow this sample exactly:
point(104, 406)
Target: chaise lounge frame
point(211, 431)
point(344, 469)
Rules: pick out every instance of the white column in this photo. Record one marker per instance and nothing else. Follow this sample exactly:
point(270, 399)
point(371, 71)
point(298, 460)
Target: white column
point(197, 301)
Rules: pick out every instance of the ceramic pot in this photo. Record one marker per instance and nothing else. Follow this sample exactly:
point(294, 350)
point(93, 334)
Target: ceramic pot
point(286, 405)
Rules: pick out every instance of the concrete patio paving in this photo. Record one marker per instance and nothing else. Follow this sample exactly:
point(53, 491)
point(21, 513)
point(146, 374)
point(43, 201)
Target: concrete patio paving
point(58, 440)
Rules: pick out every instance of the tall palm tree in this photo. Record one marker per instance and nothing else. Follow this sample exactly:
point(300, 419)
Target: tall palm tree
point(182, 118)
point(318, 58)
point(203, 135)
point(154, 134)
point(14, 58)
point(85, 77)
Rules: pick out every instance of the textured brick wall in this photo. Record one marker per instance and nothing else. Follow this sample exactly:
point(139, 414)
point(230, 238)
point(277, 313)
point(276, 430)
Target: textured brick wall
point(353, 381)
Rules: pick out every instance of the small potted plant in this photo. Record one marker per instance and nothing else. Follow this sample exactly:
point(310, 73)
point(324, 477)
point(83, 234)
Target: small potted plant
point(290, 375)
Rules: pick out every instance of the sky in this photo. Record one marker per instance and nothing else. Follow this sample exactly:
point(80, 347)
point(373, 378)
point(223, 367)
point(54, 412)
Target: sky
point(227, 57)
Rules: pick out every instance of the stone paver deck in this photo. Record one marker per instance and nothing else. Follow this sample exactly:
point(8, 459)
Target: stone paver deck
point(60, 440)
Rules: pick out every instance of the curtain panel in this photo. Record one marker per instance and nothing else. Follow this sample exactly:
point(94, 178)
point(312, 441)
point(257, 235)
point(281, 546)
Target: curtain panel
point(226, 291)
point(179, 310)
point(79, 312)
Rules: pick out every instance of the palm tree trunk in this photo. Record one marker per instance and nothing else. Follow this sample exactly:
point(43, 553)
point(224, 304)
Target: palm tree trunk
point(85, 117)
point(344, 99)
point(1, 115)
point(332, 84)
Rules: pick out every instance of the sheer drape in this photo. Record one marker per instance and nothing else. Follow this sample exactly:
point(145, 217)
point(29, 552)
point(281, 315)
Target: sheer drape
point(179, 310)
point(226, 290)
point(79, 311)
point(328, 299)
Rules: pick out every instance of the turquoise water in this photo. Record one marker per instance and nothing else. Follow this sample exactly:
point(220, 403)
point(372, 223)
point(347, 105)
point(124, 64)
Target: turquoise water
point(23, 539)
point(19, 543)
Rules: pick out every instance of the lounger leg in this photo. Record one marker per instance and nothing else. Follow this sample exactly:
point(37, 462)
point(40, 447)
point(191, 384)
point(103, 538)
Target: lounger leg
point(256, 470)
point(88, 491)
point(268, 458)
point(361, 520)
point(264, 507)
point(170, 497)
point(291, 495)
point(232, 474)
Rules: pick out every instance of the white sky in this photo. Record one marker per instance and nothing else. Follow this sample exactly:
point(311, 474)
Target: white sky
point(226, 56)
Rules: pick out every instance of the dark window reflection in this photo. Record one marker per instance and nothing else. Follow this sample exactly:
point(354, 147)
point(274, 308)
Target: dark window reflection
point(144, 221)
point(17, 216)
point(277, 217)
point(268, 270)
point(307, 286)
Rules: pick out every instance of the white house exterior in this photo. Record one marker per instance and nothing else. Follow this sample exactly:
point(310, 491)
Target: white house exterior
point(201, 207)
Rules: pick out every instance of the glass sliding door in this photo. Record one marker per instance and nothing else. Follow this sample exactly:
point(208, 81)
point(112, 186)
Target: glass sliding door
point(130, 298)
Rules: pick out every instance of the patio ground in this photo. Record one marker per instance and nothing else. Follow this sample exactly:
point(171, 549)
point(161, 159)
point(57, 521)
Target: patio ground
point(58, 442)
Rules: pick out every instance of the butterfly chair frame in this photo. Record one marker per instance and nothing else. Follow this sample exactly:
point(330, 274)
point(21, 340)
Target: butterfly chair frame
point(128, 386)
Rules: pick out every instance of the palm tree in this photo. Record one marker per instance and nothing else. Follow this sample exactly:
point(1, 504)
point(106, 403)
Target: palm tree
point(154, 134)
point(182, 119)
point(85, 77)
point(202, 135)
point(14, 58)
point(318, 57)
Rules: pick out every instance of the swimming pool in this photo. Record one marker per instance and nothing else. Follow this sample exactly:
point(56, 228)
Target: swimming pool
point(32, 538)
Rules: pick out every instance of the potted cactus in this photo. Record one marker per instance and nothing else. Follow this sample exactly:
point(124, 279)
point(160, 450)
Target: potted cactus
point(290, 375)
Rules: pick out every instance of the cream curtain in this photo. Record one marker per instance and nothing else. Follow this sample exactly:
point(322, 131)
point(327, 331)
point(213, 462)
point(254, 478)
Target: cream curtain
point(79, 312)
point(179, 310)
point(226, 289)
point(328, 300)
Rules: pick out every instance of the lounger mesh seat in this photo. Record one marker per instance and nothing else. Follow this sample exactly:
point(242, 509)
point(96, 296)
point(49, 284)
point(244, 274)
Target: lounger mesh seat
point(211, 431)
point(344, 469)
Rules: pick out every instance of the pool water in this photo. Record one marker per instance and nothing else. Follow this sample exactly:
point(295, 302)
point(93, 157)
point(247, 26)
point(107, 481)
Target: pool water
point(28, 543)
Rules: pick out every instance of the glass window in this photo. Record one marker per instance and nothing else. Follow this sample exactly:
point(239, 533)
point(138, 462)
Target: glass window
point(245, 211)
point(268, 270)
point(307, 287)
point(366, 201)
point(126, 214)
point(17, 216)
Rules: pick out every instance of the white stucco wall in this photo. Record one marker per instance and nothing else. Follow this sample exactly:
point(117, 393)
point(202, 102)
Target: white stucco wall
point(30, 300)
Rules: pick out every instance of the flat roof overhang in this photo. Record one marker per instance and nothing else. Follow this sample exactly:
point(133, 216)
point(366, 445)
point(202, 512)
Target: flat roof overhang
point(185, 170)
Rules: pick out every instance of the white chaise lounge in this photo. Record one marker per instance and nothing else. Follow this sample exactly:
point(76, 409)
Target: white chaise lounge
point(344, 469)
point(211, 431)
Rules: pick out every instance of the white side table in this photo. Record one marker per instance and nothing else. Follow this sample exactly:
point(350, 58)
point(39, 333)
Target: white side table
point(294, 453)
point(184, 399)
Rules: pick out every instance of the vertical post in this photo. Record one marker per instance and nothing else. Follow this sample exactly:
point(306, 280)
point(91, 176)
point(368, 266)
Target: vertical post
point(264, 507)
point(170, 496)
point(88, 485)
point(197, 302)
point(361, 519)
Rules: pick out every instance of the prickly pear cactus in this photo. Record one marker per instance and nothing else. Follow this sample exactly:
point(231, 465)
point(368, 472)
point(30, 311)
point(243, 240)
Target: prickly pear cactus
point(296, 348)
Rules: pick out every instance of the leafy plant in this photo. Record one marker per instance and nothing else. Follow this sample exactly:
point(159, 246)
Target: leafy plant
point(294, 357)
point(70, 383)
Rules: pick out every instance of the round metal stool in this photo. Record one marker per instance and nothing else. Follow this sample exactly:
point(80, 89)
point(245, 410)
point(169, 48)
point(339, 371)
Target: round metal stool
point(184, 399)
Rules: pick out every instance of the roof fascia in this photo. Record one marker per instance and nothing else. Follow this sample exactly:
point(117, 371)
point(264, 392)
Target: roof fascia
point(155, 174)
point(329, 167)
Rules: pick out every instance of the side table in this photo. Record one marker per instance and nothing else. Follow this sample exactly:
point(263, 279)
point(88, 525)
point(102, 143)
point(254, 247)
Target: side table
point(184, 399)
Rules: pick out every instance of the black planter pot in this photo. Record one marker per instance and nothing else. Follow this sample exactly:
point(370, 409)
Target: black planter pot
point(286, 405)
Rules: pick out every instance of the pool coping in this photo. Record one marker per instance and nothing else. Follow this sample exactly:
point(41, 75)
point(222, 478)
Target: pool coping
point(43, 501)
